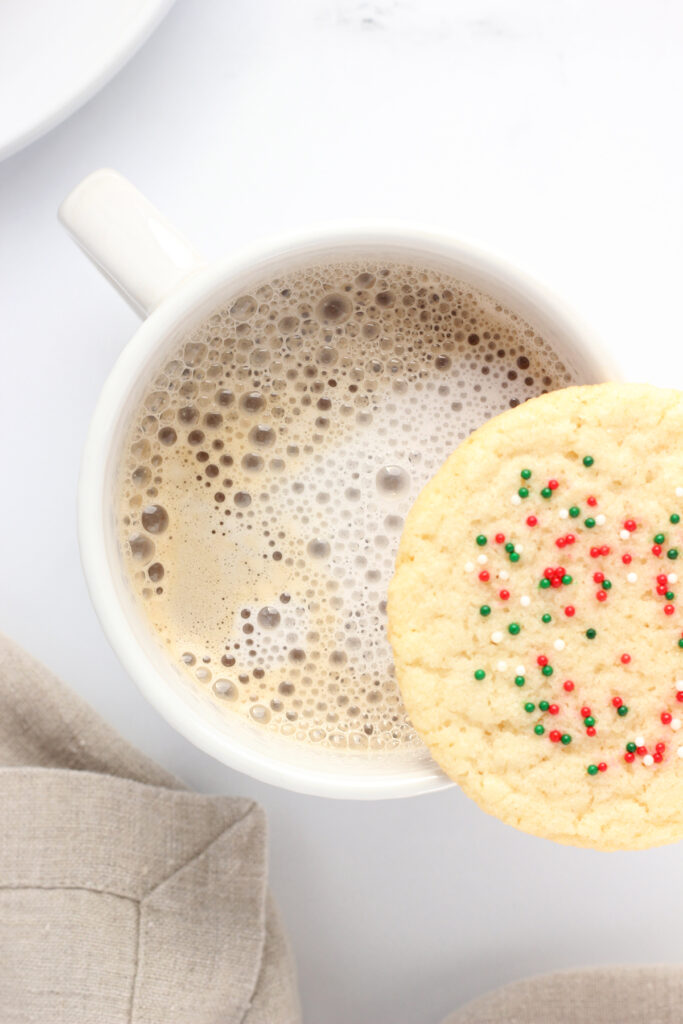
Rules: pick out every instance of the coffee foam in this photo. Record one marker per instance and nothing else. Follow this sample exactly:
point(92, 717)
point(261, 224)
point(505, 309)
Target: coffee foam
point(268, 470)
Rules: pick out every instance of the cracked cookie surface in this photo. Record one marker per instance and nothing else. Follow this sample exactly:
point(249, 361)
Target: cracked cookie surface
point(536, 616)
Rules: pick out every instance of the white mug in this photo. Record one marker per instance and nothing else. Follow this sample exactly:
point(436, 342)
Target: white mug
point(166, 281)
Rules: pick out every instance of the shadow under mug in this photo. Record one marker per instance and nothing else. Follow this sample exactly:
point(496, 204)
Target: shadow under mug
point(166, 281)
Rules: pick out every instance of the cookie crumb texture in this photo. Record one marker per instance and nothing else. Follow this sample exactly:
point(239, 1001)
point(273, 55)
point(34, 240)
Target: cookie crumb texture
point(536, 616)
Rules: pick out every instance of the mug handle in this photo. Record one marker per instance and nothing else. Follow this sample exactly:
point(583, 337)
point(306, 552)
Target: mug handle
point(127, 239)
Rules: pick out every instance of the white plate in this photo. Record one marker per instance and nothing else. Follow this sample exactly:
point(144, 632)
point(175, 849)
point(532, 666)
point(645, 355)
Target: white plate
point(56, 54)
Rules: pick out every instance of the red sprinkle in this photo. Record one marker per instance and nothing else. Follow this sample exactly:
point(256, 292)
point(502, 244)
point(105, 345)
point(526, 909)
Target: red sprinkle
point(598, 577)
point(642, 751)
point(679, 696)
point(542, 660)
point(626, 559)
point(595, 552)
point(662, 578)
point(601, 595)
point(553, 485)
point(666, 718)
point(549, 572)
point(568, 686)
point(657, 758)
point(662, 589)
point(504, 595)
point(657, 549)
point(500, 538)
point(531, 521)
point(625, 658)
point(617, 701)
point(630, 525)
point(604, 550)
point(553, 709)
point(660, 748)
point(629, 757)
point(669, 609)
point(556, 582)
point(590, 731)
point(585, 711)
point(560, 542)
point(590, 500)
point(484, 576)
point(602, 767)
point(569, 610)
point(555, 735)
point(570, 538)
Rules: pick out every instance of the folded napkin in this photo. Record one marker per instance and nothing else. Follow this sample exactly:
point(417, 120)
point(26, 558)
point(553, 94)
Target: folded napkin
point(602, 995)
point(124, 898)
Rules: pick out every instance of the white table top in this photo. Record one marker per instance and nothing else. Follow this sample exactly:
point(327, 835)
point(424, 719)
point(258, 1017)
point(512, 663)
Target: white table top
point(548, 133)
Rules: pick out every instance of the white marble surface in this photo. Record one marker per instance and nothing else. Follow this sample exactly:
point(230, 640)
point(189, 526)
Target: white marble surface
point(547, 132)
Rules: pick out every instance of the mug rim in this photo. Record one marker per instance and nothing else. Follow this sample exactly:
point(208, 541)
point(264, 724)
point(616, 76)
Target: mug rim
point(99, 444)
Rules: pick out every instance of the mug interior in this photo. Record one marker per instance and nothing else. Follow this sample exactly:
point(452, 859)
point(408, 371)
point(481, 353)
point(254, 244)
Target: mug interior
point(226, 735)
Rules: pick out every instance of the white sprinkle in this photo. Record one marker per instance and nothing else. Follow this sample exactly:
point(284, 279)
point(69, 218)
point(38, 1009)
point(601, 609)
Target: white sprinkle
point(679, 685)
point(525, 601)
point(469, 566)
point(519, 549)
point(639, 741)
point(496, 637)
point(501, 666)
point(624, 534)
point(504, 574)
point(675, 724)
point(648, 760)
point(672, 577)
point(600, 520)
point(516, 500)
point(482, 559)
point(519, 671)
point(559, 645)
point(679, 492)
point(680, 751)
point(563, 513)
point(632, 577)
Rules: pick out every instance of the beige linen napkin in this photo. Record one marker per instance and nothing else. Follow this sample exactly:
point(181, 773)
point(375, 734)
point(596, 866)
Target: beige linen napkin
point(124, 898)
point(603, 995)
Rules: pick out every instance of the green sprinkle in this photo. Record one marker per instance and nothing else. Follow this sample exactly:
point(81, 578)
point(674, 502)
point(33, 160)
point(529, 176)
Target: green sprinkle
point(543, 705)
point(575, 511)
point(659, 538)
point(546, 492)
point(606, 584)
point(674, 518)
point(509, 547)
point(565, 738)
point(680, 642)
point(529, 707)
point(523, 492)
point(590, 522)
point(519, 680)
point(546, 618)
point(514, 628)
point(547, 670)
point(672, 553)
point(631, 747)
point(538, 729)
point(544, 584)
point(589, 721)
point(481, 540)
point(592, 769)
point(514, 556)
point(567, 579)
point(588, 460)
point(484, 610)
point(479, 674)
point(622, 711)
point(591, 634)
point(669, 595)
point(525, 474)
